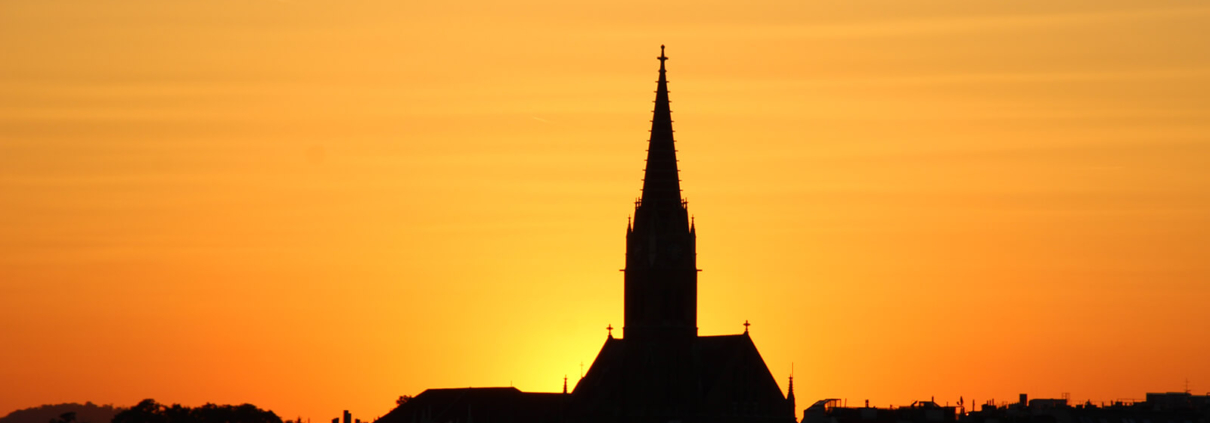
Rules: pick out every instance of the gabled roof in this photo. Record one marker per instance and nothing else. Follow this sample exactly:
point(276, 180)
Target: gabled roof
point(726, 374)
point(468, 405)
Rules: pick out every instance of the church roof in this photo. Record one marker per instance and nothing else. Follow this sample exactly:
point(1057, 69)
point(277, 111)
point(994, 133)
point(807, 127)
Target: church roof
point(730, 376)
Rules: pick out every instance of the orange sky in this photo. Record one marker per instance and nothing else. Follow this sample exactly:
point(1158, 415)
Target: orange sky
point(315, 205)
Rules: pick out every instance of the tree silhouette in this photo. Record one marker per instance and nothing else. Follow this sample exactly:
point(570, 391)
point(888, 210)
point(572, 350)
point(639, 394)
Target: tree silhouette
point(149, 411)
point(68, 417)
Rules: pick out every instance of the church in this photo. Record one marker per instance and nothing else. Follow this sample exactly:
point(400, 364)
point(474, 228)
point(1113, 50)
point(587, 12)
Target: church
point(660, 370)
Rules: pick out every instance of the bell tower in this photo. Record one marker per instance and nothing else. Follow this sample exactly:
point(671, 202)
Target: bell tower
point(661, 244)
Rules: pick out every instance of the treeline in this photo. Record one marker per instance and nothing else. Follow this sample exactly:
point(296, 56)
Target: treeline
point(150, 411)
point(79, 413)
point(147, 411)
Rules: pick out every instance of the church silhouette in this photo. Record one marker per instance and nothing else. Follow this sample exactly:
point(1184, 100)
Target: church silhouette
point(660, 370)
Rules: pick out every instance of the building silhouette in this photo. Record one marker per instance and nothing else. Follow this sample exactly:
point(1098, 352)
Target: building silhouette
point(1167, 407)
point(661, 370)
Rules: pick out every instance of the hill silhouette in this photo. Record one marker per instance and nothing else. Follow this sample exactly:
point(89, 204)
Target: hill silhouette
point(84, 413)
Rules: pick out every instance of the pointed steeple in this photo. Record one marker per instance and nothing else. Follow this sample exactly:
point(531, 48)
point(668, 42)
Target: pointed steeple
point(790, 396)
point(661, 251)
point(661, 182)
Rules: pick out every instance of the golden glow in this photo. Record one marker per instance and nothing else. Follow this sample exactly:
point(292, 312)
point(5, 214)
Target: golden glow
point(315, 206)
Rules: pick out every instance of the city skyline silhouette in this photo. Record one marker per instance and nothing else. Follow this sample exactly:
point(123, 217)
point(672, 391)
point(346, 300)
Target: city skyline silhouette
point(315, 208)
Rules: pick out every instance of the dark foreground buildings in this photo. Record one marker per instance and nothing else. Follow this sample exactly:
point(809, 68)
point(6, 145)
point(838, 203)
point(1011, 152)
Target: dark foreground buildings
point(661, 370)
point(1170, 407)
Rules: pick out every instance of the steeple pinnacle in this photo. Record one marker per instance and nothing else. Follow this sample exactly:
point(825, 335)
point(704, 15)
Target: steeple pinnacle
point(661, 182)
point(790, 395)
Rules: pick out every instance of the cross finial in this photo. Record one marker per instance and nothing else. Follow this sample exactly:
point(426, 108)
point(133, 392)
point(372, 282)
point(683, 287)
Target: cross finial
point(610, 329)
point(662, 56)
point(746, 324)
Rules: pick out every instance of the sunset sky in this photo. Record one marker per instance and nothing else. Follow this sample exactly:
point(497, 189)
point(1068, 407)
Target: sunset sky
point(315, 205)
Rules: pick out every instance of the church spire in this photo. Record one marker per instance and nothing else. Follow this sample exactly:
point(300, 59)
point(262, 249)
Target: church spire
point(790, 395)
point(661, 251)
point(661, 182)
